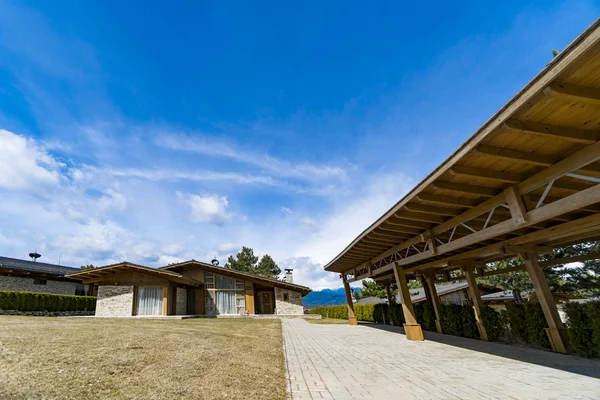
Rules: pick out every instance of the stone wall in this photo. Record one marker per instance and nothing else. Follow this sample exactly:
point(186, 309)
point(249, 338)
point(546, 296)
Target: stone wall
point(291, 306)
point(26, 285)
point(114, 301)
point(181, 307)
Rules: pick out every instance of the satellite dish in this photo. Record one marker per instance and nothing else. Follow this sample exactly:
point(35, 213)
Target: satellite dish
point(34, 256)
point(215, 262)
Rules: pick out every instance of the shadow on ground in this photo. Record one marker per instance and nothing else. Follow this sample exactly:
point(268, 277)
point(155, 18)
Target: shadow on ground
point(564, 362)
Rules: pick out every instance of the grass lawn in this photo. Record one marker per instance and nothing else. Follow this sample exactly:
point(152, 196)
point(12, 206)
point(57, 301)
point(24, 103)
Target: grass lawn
point(328, 321)
point(85, 358)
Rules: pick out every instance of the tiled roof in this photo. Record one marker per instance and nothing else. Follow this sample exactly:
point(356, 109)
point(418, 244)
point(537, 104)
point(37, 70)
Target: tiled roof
point(40, 267)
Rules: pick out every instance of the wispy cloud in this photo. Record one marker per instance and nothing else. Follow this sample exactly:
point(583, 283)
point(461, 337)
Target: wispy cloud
point(264, 161)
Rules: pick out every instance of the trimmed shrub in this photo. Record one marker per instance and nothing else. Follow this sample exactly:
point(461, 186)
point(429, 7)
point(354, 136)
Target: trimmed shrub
point(584, 328)
point(492, 321)
point(515, 315)
point(458, 320)
point(30, 301)
point(425, 314)
point(536, 325)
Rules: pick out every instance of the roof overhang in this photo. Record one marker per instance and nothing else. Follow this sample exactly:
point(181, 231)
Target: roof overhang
point(110, 271)
point(528, 178)
point(239, 275)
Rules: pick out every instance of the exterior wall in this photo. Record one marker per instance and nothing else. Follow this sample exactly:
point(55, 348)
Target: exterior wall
point(181, 307)
point(458, 297)
point(26, 285)
point(249, 297)
point(293, 306)
point(114, 301)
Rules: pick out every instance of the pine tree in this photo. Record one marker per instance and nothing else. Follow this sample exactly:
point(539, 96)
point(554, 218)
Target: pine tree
point(244, 261)
point(267, 267)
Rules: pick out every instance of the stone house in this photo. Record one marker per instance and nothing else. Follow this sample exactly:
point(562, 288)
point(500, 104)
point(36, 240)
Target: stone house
point(32, 276)
point(190, 288)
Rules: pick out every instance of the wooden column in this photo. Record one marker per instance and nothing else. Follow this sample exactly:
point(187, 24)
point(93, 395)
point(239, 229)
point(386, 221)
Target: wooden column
point(476, 297)
point(165, 300)
point(556, 331)
point(388, 292)
point(351, 317)
point(411, 328)
point(429, 282)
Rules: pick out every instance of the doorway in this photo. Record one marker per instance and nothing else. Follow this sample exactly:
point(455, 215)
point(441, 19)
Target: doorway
point(265, 302)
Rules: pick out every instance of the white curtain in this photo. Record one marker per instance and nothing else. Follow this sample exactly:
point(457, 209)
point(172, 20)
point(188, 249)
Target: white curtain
point(225, 302)
point(149, 300)
point(224, 282)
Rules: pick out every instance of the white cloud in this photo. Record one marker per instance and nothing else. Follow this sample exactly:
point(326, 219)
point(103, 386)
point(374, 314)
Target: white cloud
point(264, 161)
point(25, 164)
point(207, 209)
point(227, 247)
point(112, 200)
point(286, 210)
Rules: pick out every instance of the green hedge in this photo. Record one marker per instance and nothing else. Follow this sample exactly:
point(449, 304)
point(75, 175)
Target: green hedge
point(584, 328)
point(526, 323)
point(30, 301)
point(492, 321)
point(458, 320)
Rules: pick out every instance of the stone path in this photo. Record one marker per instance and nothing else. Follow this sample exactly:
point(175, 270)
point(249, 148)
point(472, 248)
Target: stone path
point(376, 362)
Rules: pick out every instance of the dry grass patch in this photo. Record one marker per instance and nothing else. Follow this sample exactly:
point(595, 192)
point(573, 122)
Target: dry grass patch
point(328, 321)
point(85, 358)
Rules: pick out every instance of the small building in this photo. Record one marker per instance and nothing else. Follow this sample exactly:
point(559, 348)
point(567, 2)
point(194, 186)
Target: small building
point(32, 276)
point(190, 288)
point(450, 293)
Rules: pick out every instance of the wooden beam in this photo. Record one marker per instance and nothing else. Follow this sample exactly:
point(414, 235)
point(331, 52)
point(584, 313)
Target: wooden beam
point(447, 212)
point(463, 188)
point(435, 299)
point(515, 155)
point(556, 331)
point(419, 216)
point(507, 177)
point(578, 93)
point(476, 298)
point(351, 316)
point(515, 203)
point(165, 304)
point(411, 328)
point(399, 228)
point(559, 132)
point(445, 200)
point(409, 223)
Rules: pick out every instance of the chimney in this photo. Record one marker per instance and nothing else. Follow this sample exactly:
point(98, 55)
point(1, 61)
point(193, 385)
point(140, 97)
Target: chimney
point(288, 275)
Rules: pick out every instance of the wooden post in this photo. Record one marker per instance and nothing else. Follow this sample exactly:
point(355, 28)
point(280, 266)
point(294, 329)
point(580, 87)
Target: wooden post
point(556, 331)
point(429, 282)
point(165, 300)
point(388, 292)
point(351, 317)
point(476, 297)
point(411, 328)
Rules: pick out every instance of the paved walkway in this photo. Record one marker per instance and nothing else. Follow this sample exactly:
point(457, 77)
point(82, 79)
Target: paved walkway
point(377, 362)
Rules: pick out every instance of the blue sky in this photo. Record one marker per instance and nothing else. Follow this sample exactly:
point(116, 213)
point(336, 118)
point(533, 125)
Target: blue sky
point(156, 132)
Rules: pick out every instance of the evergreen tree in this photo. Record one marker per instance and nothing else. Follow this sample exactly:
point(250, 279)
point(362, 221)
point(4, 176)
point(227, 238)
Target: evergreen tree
point(267, 267)
point(244, 261)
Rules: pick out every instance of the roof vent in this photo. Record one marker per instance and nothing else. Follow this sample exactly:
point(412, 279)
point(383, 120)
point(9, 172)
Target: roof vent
point(34, 256)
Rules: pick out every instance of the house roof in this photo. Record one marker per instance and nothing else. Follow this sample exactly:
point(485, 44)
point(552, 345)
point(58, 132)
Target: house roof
point(469, 206)
point(221, 270)
point(123, 267)
point(34, 266)
point(507, 295)
point(371, 300)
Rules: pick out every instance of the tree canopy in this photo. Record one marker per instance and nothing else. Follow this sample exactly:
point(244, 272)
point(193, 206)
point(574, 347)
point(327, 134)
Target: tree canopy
point(246, 261)
point(86, 267)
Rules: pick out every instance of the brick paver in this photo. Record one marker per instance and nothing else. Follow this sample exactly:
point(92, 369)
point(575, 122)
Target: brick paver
point(366, 362)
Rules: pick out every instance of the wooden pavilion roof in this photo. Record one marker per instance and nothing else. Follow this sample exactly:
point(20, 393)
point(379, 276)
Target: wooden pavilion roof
point(528, 177)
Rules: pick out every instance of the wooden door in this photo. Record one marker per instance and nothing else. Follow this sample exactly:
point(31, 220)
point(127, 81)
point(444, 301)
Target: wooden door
point(266, 302)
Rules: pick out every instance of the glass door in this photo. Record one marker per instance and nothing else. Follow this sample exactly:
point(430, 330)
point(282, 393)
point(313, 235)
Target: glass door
point(149, 301)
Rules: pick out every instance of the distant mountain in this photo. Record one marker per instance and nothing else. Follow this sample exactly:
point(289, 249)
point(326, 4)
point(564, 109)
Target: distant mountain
point(325, 297)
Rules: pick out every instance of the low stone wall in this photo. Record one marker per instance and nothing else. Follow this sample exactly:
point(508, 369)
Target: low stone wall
point(181, 307)
point(292, 306)
point(114, 301)
point(47, 313)
point(19, 284)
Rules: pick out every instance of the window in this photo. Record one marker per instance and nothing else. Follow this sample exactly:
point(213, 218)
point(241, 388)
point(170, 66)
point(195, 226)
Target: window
point(286, 297)
point(224, 295)
point(149, 301)
point(40, 281)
